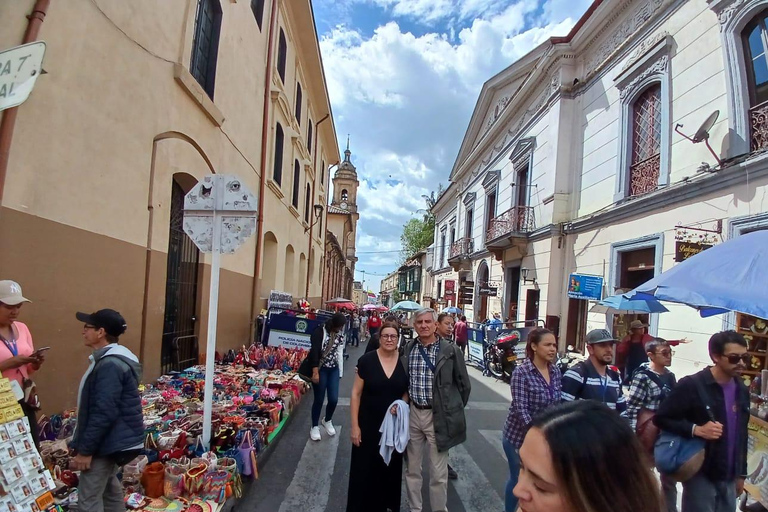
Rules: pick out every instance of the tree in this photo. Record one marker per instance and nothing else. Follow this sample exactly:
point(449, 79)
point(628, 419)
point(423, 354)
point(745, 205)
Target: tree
point(418, 234)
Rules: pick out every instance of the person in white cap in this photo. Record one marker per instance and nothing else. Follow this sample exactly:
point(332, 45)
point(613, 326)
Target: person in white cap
point(18, 358)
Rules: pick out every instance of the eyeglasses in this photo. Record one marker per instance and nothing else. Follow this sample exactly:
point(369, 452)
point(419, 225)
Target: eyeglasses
point(88, 326)
point(666, 353)
point(735, 358)
point(388, 336)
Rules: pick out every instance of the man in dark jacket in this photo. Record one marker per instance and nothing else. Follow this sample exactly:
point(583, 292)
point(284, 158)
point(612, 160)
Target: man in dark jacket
point(110, 424)
point(438, 388)
point(721, 478)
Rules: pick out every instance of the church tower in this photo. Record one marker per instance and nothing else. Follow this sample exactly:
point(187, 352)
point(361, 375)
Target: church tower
point(345, 184)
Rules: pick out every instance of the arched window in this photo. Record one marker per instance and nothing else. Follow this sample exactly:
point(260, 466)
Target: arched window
point(299, 100)
point(646, 142)
point(277, 172)
point(344, 195)
point(282, 51)
point(322, 172)
point(307, 205)
point(296, 183)
point(309, 136)
point(205, 45)
point(756, 50)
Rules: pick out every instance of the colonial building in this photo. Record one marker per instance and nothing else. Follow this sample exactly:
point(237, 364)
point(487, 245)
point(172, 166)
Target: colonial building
point(359, 295)
point(588, 159)
point(342, 219)
point(141, 101)
point(388, 293)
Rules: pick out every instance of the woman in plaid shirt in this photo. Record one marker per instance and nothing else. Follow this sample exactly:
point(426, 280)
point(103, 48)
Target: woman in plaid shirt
point(535, 385)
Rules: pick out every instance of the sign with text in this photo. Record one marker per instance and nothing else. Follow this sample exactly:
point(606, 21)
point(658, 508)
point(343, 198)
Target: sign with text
point(476, 339)
point(19, 69)
point(290, 331)
point(487, 291)
point(684, 250)
point(585, 287)
point(450, 289)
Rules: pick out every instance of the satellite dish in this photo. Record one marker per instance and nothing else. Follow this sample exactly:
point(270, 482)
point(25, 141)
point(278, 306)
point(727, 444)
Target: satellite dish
point(702, 133)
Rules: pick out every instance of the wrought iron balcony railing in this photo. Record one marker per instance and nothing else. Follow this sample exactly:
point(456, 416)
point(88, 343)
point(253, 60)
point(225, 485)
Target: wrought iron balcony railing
point(758, 119)
point(461, 247)
point(644, 176)
point(516, 220)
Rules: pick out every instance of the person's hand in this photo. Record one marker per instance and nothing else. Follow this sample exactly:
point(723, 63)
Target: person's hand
point(39, 358)
point(739, 486)
point(685, 340)
point(356, 436)
point(393, 410)
point(17, 361)
point(80, 463)
point(315, 376)
point(711, 431)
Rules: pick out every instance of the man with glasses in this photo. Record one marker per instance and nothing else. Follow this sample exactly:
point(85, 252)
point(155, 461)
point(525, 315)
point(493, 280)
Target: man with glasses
point(651, 384)
point(684, 412)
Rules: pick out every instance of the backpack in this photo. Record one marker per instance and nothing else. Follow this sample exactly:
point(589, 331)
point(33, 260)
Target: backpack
point(646, 430)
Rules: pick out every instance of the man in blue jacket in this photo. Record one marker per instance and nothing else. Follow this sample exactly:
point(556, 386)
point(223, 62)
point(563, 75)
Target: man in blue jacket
point(110, 424)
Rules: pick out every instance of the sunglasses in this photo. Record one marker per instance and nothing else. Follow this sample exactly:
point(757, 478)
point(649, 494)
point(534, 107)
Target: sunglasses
point(735, 358)
point(666, 353)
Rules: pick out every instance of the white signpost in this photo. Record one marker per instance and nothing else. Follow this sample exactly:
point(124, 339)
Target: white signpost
point(19, 69)
point(219, 216)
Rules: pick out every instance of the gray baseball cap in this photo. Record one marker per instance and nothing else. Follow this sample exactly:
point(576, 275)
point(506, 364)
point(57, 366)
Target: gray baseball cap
point(599, 336)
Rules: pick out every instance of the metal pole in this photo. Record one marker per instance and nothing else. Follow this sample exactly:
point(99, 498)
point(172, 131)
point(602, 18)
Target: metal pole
point(213, 310)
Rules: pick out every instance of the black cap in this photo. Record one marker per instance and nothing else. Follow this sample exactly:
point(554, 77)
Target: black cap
point(110, 320)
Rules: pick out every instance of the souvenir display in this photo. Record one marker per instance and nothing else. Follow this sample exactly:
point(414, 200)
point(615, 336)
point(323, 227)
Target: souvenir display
point(25, 484)
point(253, 397)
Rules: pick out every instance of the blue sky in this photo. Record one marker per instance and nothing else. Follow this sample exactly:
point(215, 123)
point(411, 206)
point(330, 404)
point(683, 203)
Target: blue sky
point(404, 76)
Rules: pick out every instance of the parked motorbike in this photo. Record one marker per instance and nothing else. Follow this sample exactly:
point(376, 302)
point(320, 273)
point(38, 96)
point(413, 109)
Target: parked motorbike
point(568, 358)
point(501, 359)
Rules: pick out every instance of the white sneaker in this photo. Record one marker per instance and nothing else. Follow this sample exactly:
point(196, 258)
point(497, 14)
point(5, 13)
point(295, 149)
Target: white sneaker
point(314, 433)
point(328, 426)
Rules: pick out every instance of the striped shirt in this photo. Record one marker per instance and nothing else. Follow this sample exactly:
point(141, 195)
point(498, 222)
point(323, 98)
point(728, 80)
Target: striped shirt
point(530, 394)
point(422, 378)
point(582, 382)
point(644, 393)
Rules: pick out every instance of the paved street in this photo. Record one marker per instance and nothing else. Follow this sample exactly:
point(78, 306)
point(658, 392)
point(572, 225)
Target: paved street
point(313, 477)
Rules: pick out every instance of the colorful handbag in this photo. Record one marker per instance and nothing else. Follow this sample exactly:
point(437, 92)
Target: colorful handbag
point(215, 486)
point(174, 481)
point(153, 479)
point(194, 480)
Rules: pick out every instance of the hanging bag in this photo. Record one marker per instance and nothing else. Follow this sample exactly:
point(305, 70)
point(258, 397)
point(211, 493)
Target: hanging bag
point(246, 448)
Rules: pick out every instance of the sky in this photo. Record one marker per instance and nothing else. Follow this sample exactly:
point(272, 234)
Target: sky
point(403, 78)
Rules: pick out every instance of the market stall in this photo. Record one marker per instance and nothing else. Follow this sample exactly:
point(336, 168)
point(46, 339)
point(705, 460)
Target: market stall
point(255, 393)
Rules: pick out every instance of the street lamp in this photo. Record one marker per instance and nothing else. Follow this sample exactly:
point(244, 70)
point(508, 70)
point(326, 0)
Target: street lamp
point(318, 209)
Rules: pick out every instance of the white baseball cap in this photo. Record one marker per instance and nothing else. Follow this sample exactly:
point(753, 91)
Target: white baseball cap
point(10, 293)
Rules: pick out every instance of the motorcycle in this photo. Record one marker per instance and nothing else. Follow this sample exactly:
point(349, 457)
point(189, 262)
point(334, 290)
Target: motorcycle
point(568, 358)
point(501, 358)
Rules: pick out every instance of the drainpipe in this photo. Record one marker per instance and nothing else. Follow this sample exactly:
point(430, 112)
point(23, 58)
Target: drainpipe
point(263, 181)
point(312, 213)
point(35, 20)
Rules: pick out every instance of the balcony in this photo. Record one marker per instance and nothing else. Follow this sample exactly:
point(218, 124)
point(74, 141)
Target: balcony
point(758, 120)
point(458, 258)
point(510, 229)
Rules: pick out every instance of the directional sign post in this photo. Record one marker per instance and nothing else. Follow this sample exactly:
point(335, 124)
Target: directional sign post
point(219, 215)
point(19, 69)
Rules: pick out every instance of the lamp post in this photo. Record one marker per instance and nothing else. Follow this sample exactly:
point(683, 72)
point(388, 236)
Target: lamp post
point(318, 210)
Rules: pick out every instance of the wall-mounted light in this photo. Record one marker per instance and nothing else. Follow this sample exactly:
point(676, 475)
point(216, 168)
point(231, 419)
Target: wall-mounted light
point(318, 208)
point(526, 274)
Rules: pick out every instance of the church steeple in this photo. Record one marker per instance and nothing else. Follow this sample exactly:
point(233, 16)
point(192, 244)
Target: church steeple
point(345, 183)
point(348, 153)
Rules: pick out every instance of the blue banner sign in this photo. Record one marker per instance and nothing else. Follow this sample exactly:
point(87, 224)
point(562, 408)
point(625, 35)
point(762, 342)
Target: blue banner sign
point(290, 331)
point(476, 339)
point(585, 287)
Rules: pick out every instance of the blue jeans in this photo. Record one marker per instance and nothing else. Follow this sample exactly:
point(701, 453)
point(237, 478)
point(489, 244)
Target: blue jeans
point(354, 336)
point(329, 381)
point(510, 501)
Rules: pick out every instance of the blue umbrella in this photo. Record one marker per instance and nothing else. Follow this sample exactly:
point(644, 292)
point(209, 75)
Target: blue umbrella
point(452, 309)
point(407, 305)
point(620, 304)
point(728, 277)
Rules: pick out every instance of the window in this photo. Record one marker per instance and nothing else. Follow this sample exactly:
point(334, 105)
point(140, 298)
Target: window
point(277, 172)
point(344, 195)
point(296, 183)
point(322, 172)
point(522, 186)
point(646, 142)
point(453, 233)
point(756, 43)
point(309, 137)
point(490, 209)
point(468, 227)
point(442, 248)
point(257, 6)
point(282, 50)
point(298, 102)
point(307, 199)
point(205, 45)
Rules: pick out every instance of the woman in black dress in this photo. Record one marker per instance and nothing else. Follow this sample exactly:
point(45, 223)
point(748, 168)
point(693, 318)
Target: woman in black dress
point(381, 379)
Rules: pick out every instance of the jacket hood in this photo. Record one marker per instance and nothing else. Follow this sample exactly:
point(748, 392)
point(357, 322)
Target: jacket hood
point(122, 352)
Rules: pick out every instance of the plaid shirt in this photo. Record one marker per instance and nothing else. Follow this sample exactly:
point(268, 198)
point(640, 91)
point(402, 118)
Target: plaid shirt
point(530, 395)
point(644, 393)
point(420, 386)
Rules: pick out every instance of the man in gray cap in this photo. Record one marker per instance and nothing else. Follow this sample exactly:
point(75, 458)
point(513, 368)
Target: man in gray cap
point(593, 379)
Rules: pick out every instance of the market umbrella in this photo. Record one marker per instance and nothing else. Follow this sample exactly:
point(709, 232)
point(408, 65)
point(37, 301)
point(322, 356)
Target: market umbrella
point(372, 307)
point(338, 300)
point(407, 305)
point(620, 304)
point(452, 309)
point(727, 277)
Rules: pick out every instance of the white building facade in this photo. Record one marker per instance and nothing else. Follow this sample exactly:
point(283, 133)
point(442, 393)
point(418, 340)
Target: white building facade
point(572, 164)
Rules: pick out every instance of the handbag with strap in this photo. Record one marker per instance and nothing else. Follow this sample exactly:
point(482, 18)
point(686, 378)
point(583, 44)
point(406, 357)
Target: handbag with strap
point(305, 368)
point(682, 457)
point(647, 431)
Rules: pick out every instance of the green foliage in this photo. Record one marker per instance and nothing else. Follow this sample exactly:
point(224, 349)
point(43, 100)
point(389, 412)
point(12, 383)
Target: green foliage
point(418, 234)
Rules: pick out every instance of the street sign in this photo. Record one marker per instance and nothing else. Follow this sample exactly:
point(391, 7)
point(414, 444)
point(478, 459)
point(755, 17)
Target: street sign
point(585, 287)
point(19, 69)
point(219, 215)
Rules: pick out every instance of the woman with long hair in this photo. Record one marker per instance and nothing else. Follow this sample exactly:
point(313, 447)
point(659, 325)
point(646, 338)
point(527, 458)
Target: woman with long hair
point(381, 379)
point(536, 384)
point(326, 357)
point(583, 457)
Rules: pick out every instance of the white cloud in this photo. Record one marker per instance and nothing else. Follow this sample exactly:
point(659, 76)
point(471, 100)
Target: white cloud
point(406, 99)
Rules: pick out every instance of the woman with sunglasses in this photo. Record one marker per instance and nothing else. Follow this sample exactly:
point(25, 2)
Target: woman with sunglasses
point(18, 358)
point(381, 380)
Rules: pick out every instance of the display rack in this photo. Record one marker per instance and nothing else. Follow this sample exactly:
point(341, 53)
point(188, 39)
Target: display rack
point(755, 331)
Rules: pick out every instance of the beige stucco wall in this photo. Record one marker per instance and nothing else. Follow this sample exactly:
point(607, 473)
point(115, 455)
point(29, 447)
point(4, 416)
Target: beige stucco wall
point(96, 149)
